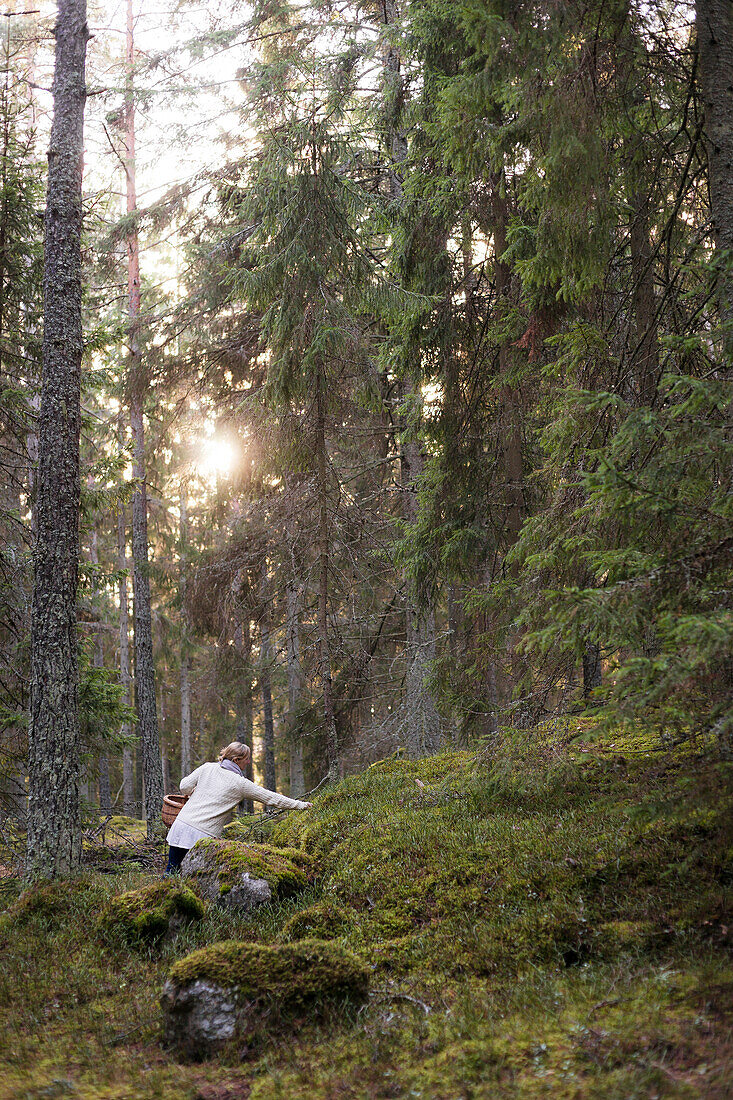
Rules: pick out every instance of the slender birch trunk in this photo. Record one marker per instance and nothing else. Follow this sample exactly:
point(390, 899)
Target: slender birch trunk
point(54, 822)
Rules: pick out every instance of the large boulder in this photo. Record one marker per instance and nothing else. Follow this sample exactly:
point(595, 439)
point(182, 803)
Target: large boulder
point(241, 876)
point(151, 913)
point(244, 991)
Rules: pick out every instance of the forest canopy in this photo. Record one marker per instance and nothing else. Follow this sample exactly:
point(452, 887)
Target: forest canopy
point(404, 389)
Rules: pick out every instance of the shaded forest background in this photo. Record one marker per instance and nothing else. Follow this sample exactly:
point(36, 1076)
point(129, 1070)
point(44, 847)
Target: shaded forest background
point(451, 310)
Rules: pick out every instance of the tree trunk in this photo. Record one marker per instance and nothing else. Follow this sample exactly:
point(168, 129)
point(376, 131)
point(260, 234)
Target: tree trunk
point(423, 729)
point(242, 640)
point(295, 680)
point(54, 823)
point(144, 664)
point(144, 661)
point(185, 660)
point(128, 772)
point(244, 734)
point(165, 767)
point(591, 669)
point(511, 441)
point(186, 766)
point(324, 645)
point(714, 23)
point(265, 685)
point(645, 301)
point(105, 792)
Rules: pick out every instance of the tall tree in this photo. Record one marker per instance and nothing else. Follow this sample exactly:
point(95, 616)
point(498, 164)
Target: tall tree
point(292, 642)
point(265, 678)
point(54, 825)
point(137, 386)
point(186, 755)
point(714, 23)
point(422, 723)
point(128, 772)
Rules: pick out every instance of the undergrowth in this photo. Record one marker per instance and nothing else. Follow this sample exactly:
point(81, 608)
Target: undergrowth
point(541, 916)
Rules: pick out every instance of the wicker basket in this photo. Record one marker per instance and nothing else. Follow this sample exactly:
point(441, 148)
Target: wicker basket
point(172, 806)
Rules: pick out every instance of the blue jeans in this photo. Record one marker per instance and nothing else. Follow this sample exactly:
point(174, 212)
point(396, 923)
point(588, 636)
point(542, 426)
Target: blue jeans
point(175, 859)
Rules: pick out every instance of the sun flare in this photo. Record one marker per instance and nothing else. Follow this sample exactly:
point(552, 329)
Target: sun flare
point(217, 457)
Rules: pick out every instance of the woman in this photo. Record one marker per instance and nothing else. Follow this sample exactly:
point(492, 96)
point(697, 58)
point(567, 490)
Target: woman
point(215, 790)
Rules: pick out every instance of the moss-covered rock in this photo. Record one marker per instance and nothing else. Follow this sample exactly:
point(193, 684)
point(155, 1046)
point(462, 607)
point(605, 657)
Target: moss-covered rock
point(236, 990)
point(322, 921)
point(242, 876)
point(148, 914)
point(59, 901)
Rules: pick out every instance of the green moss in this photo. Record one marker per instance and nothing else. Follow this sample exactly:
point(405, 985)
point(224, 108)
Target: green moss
point(543, 922)
point(288, 974)
point(323, 921)
point(275, 866)
point(614, 938)
point(530, 857)
point(58, 901)
point(147, 914)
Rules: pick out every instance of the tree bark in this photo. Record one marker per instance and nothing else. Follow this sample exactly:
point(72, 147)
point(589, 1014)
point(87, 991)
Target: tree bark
point(295, 679)
point(592, 676)
point(714, 24)
point(268, 724)
point(324, 644)
point(54, 822)
point(185, 660)
point(423, 727)
point(243, 642)
point(165, 765)
point(144, 663)
point(105, 792)
point(128, 771)
point(645, 302)
point(511, 441)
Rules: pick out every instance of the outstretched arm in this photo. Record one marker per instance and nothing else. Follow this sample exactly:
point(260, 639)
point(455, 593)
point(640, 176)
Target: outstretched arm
point(272, 798)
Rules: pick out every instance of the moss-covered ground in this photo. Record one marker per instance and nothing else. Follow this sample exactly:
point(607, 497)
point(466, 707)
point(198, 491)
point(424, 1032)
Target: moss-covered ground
point(541, 917)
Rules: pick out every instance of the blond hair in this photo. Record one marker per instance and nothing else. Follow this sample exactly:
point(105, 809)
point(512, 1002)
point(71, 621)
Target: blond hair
point(237, 750)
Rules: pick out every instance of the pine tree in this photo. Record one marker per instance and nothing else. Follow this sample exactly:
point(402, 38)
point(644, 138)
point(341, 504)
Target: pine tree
point(54, 828)
point(137, 385)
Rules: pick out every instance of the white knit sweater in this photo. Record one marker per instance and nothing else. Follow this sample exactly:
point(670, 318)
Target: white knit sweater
point(215, 792)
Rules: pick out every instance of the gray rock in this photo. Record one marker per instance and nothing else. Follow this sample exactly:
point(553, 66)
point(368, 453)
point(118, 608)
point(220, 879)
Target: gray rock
point(243, 895)
point(198, 1018)
point(249, 992)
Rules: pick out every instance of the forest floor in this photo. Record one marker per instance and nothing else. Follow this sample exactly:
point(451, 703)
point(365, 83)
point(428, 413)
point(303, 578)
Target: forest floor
point(545, 916)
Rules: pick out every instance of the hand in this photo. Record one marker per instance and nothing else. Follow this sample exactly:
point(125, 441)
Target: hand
point(308, 805)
